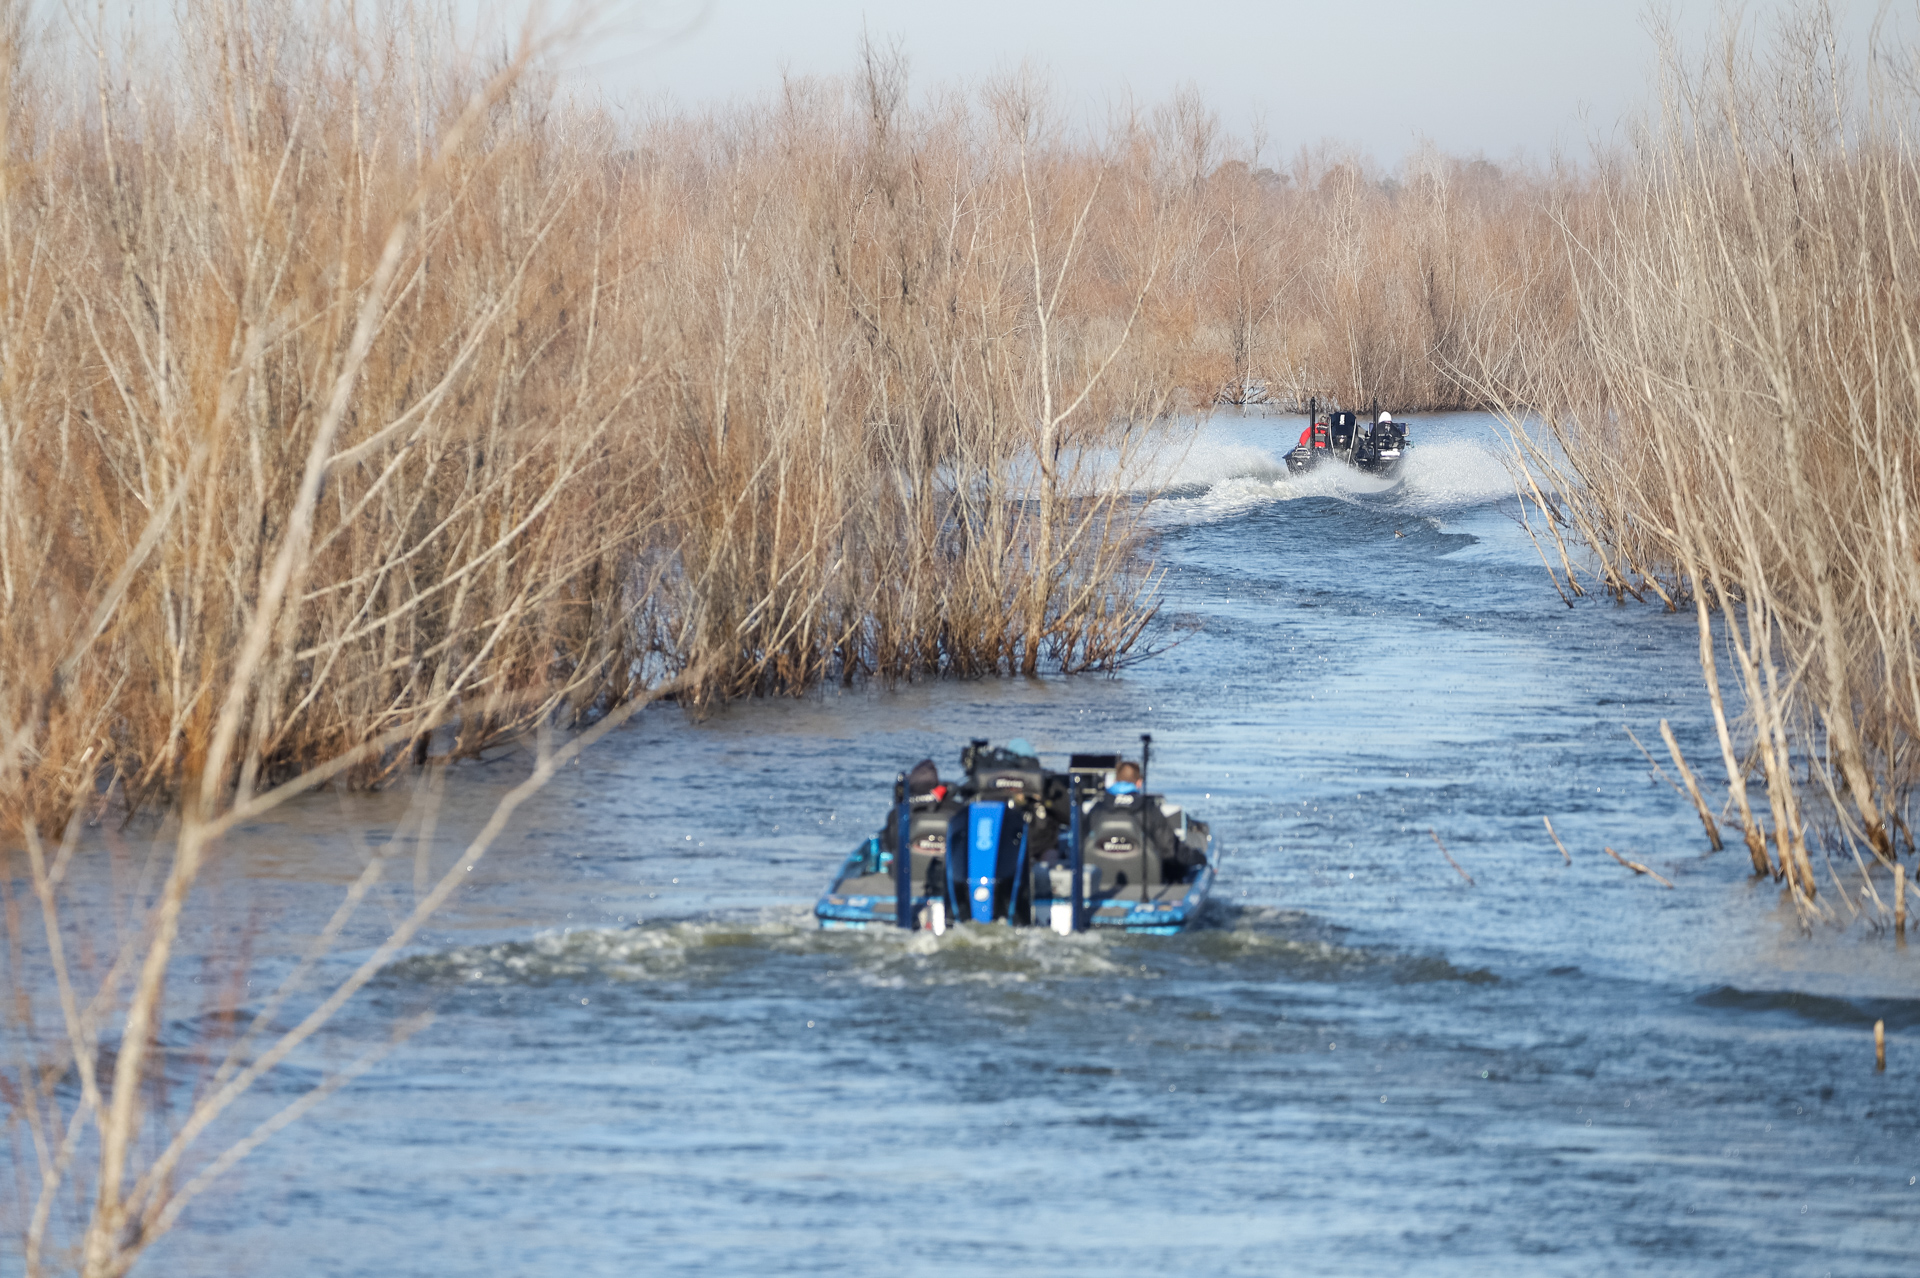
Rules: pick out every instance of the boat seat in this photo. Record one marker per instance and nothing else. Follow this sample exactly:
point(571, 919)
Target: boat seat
point(1115, 839)
point(1007, 783)
point(927, 827)
point(927, 823)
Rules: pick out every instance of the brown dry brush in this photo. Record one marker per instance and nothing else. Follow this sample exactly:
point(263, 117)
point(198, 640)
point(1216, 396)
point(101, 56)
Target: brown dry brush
point(260, 505)
point(1332, 279)
point(1729, 424)
point(818, 387)
point(363, 403)
point(809, 389)
point(269, 306)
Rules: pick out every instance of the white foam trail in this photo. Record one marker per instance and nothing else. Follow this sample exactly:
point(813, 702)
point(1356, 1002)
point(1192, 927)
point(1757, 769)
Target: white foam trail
point(1452, 473)
point(1219, 479)
point(712, 947)
point(1261, 483)
point(1210, 462)
point(1207, 473)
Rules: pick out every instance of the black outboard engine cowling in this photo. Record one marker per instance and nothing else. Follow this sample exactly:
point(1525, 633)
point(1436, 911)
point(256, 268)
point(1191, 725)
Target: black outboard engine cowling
point(1000, 774)
point(1341, 425)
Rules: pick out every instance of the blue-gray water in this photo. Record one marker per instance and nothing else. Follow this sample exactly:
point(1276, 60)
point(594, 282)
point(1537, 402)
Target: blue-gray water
point(1359, 1065)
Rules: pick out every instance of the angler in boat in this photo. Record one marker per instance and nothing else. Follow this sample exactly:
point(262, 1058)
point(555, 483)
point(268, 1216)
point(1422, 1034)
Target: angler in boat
point(1018, 844)
point(1375, 446)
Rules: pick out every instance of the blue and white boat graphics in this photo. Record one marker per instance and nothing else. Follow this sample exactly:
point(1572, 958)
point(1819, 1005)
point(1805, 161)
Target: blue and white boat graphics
point(1018, 845)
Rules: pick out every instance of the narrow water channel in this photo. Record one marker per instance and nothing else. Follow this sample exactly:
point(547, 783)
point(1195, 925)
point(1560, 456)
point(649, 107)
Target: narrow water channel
point(646, 1060)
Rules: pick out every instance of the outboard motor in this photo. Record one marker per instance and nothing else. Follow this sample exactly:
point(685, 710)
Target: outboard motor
point(1019, 845)
point(1001, 773)
point(996, 859)
point(1007, 786)
point(1341, 428)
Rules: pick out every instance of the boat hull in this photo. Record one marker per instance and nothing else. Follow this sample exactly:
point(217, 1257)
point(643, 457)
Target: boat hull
point(1302, 460)
point(1161, 912)
point(1158, 917)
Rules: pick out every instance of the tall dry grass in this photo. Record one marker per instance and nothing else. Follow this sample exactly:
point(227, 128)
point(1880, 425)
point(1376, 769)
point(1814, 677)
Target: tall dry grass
point(1730, 423)
point(498, 408)
point(538, 406)
point(363, 401)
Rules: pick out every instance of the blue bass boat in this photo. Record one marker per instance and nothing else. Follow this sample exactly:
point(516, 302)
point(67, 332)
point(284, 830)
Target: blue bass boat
point(1085, 848)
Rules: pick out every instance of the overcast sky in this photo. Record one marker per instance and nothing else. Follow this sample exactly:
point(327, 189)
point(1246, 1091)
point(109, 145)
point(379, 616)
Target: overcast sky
point(1487, 76)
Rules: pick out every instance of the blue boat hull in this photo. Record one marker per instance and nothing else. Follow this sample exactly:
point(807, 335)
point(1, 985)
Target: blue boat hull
point(1171, 912)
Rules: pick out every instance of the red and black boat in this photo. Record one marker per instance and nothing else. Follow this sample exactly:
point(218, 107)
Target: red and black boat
point(1376, 446)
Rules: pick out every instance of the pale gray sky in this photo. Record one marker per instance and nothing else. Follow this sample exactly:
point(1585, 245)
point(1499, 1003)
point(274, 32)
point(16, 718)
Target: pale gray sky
point(1490, 76)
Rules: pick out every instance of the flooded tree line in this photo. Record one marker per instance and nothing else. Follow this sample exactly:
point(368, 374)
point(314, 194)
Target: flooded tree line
point(362, 396)
point(479, 406)
point(1726, 427)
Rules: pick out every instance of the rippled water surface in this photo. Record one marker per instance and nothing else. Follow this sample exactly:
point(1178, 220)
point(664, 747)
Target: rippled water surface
point(645, 1059)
